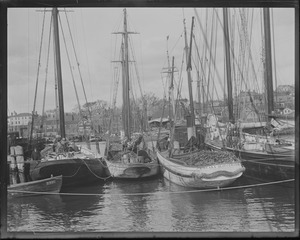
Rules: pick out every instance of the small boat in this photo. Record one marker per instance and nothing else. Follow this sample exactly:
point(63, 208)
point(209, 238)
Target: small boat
point(48, 185)
point(208, 176)
point(131, 166)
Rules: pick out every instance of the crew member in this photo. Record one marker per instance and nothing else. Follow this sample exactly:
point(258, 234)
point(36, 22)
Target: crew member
point(35, 155)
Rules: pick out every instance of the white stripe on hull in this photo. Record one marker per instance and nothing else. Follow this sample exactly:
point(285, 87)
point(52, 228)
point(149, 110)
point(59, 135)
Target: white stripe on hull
point(200, 177)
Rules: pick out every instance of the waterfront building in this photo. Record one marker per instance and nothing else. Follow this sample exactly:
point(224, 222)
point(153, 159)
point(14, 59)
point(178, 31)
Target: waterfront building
point(19, 123)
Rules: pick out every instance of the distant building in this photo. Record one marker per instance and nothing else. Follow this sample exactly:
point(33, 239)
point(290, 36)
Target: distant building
point(285, 88)
point(19, 123)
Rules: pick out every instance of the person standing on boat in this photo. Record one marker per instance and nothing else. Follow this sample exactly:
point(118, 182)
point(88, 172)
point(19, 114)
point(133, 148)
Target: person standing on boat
point(73, 147)
point(59, 147)
point(57, 139)
point(35, 155)
point(64, 143)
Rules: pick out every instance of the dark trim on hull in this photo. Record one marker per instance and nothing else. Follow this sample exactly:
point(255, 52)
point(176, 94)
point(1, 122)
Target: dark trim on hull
point(75, 172)
point(255, 155)
point(265, 167)
point(270, 172)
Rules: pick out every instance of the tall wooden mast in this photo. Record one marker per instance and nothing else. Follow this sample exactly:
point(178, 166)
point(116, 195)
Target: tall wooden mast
point(228, 66)
point(58, 72)
point(269, 105)
point(126, 99)
point(188, 50)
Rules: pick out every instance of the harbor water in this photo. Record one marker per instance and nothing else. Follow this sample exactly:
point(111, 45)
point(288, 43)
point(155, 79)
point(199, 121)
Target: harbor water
point(157, 205)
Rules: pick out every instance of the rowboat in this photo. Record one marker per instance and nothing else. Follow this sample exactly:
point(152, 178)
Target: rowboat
point(48, 185)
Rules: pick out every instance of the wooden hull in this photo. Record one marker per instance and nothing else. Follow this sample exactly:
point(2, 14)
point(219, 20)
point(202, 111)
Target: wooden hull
point(215, 176)
point(132, 170)
point(35, 187)
point(264, 166)
point(75, 171)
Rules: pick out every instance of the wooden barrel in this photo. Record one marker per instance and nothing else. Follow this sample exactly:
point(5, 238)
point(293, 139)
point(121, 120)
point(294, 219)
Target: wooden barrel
point(21, 176)
point(12, 150)
point(18, 150)
point(12, 162)
point(13, 178)
point(20, 163)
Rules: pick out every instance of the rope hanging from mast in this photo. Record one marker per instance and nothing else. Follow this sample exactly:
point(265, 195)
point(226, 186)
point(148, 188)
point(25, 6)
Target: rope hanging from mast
point(69, 61)
point(78, 65)
point(37, 80)
point(46, 77)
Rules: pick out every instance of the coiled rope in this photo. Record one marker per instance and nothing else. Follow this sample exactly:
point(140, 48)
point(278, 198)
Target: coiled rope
point(155, 193)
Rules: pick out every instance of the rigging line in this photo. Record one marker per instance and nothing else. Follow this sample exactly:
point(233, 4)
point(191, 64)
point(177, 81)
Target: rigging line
point(210, 53)
point(37, 80)
point(251, 27)
point(86, 55)
point(250, 58)
point(180, 76)
point(176, 42)
point(205, 48)
point(115, 81)
point(135, 65)
point(160, 124)
point(209, 96)
point(70, 65)
point(78, 67)
point(46, 78)
point(243, 30)
point(209, 75)
point(180, 81)
point(234, 58)
point(232, 52)
point(200, 63)
point(159, 193)
point(95, 173)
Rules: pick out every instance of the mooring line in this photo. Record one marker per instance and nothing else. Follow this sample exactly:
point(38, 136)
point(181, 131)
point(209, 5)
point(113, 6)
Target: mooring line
point(155, 193)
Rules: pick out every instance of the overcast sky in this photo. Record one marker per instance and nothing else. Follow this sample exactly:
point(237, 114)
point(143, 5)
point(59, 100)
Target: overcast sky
point(96, 48)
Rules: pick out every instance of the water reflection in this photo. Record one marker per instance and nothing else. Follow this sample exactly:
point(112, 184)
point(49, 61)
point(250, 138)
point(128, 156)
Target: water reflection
point(26, 213)
point(136, 209)
point(56, 212)
point(156, 205)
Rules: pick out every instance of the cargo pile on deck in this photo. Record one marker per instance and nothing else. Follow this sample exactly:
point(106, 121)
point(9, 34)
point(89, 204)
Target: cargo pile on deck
point(208, 158)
